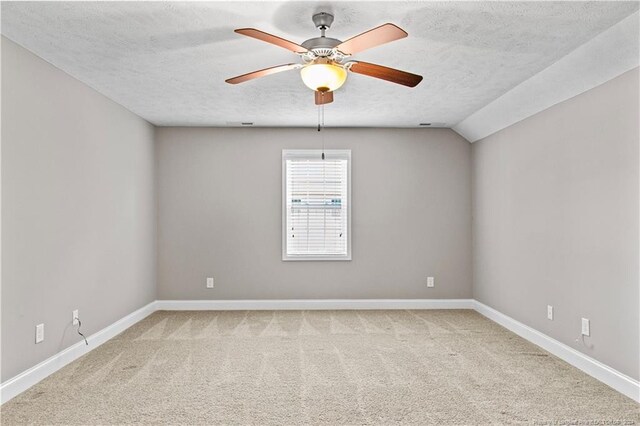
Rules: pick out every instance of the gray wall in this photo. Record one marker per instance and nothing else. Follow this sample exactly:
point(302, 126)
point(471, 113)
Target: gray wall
point(556, 221)
point(220, 192)
point(78, 209)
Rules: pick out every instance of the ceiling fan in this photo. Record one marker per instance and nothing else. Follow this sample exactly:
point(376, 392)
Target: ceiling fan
point(326, 60)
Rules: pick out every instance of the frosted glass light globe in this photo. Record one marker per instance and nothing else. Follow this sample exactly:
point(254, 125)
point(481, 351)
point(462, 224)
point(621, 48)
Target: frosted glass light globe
point(323, 77)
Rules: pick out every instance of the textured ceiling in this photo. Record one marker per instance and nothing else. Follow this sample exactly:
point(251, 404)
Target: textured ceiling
point(167, 61)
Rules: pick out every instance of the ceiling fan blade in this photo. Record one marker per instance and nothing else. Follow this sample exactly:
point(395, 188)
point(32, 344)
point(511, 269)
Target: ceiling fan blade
point(261, 73)
point(323, 97)
point(270, 38)
point(385, 73)
point(372, 38)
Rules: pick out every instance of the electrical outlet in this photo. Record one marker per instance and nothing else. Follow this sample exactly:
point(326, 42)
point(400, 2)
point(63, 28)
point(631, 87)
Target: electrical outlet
point(550, 312)
point(586, 327)
point(39, 333)
point(74, 317)
point(431, 282)
point(209, 282)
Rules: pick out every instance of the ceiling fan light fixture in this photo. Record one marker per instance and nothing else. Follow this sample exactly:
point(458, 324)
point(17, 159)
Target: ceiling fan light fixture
point(323, 77)
point(324, 69)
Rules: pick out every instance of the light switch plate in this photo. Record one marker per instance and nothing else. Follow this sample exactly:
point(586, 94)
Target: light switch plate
point(209, 282)
point(550, 312)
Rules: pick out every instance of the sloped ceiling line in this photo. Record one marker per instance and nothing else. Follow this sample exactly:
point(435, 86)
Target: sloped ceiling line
point(604, 57)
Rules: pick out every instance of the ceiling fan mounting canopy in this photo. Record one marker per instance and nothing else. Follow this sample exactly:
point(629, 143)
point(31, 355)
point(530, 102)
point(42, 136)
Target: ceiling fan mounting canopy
point(322, 20)
point(325, 65)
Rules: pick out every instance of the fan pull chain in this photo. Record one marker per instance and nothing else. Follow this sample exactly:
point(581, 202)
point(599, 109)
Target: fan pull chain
point(322, 106)
point(321, 123)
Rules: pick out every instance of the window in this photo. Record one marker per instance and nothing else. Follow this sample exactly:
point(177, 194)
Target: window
point(316, 216)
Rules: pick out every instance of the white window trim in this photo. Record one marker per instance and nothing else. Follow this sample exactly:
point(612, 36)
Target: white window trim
point(344, 154)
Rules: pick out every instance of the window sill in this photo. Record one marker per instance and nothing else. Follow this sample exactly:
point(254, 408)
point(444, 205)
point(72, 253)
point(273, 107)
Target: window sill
point(316, 259)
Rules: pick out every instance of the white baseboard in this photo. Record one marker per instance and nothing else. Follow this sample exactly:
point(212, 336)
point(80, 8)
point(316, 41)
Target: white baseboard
point(30, 377)
point(311, 304)
point(617, 380)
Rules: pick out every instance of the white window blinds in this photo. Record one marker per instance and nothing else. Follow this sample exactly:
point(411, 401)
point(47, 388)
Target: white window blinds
point(316, 205)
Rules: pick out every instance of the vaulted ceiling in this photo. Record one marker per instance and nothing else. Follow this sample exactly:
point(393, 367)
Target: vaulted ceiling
point(167, 61)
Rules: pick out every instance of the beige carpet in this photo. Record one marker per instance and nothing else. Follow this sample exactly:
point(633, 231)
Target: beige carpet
point(319, 367)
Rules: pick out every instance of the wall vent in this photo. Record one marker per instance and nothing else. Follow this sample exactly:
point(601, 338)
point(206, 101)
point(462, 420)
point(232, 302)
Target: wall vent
point(239, 123)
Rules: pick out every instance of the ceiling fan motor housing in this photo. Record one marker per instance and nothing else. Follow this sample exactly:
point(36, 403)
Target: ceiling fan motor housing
point(321, 46)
